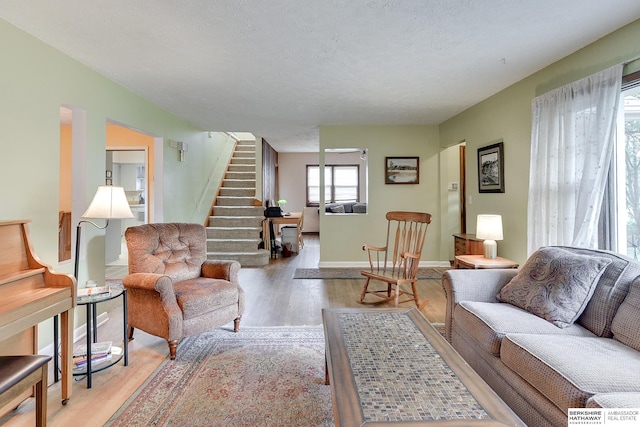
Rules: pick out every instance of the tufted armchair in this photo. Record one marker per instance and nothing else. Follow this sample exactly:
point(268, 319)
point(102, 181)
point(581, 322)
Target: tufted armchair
point(173, 291)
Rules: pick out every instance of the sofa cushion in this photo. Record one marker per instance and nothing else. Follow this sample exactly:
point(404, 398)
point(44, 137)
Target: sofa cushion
point(555, 284)
point(202, 295)
point(626, 323)
point(341, 207)
point(568, 370)
point(360, 208)
point(487, 323)
point(610, 291)
point(348, 206)
point(614, 400)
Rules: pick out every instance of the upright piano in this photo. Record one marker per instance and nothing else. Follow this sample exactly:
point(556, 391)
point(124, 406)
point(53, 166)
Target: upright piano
point(31, 293)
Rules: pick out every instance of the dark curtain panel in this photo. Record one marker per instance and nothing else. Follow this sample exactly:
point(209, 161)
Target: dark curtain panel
point(269, 173)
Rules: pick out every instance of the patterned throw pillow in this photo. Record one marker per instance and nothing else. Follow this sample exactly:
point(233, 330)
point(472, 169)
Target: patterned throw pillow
point(555, 284)
point(337, 209)
point(625, 324)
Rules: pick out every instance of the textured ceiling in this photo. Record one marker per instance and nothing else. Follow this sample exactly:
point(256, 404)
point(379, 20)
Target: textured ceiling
point(281, 68)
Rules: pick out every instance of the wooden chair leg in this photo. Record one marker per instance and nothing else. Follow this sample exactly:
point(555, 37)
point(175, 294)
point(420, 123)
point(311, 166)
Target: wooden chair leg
point(130, 333)
point(419, 304)
point(377, 293)
point(236, 324)
point(397, 295)
point(41, 397)
point(423, 304)
point(173, 347)
point(364, 290)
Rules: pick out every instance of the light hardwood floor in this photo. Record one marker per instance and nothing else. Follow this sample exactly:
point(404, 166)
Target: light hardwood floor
point(273, 298)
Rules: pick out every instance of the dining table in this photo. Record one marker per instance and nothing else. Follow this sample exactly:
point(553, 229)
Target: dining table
point(289, 218)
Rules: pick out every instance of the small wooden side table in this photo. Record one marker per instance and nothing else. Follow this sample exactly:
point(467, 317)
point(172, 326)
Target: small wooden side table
point(479, 261)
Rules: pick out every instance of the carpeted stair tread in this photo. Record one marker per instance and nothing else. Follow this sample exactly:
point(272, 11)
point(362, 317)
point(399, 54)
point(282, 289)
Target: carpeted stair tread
point(235, 223)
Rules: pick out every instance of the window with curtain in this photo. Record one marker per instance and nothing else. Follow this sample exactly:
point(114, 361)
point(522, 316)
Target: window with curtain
point(621, 220)
point(341, 184)
point(572, 144)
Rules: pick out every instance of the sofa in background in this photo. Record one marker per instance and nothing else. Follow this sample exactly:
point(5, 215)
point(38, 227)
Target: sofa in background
point(346, 207)
point(562, 332)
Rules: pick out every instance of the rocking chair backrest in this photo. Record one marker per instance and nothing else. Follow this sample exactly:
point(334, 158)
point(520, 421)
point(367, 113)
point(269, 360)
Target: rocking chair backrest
point(406, 232)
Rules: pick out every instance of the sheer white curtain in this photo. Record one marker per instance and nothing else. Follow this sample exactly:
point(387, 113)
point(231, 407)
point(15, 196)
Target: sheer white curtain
point(572, 141)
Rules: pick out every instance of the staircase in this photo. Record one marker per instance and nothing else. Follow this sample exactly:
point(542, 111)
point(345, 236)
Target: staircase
point(235, 224)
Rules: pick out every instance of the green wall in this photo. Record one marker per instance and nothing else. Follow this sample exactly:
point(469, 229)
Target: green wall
point(342, 236)
point(507, 116)
point(35, 81)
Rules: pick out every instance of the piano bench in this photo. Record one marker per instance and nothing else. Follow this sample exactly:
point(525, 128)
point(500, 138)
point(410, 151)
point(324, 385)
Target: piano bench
point(18, 374)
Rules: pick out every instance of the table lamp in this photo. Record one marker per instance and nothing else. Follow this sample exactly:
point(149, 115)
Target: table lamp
point(108, 203)
point(489, 229)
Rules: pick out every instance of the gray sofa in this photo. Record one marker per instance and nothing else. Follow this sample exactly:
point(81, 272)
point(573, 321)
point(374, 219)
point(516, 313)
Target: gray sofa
point(346, 207)
point(538, 368)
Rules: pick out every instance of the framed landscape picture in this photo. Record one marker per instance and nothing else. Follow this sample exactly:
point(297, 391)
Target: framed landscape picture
point(402, 170)
point(491, 168)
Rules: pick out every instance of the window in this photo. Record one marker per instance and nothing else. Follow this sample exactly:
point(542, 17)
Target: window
point(626, 171)
point(341, 184)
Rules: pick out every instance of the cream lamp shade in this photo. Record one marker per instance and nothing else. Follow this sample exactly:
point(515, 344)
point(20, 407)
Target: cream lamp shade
point(109, 202)
point(489, 229)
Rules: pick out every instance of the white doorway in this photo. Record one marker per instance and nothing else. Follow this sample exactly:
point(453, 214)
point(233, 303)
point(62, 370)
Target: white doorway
point(127, 169)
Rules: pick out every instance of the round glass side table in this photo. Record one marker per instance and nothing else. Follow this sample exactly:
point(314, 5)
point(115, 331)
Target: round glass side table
point(117, 353)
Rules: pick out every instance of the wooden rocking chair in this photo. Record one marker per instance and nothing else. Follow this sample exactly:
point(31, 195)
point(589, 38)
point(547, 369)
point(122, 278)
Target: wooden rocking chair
point(396, 263)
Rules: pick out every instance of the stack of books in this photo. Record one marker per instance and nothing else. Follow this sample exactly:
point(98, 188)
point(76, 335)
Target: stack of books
point(100, 351)
point(93, 291)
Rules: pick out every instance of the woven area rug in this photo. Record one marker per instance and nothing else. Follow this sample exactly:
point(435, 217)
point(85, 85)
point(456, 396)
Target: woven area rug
point(256, 377)
point(354, 273)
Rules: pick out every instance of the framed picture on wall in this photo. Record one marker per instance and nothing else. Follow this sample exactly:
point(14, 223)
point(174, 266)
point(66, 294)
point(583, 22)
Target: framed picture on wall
point(402, 170)
point(491, 168)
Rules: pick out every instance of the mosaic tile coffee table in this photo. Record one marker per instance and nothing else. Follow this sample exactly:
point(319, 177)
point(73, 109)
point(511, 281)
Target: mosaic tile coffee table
point(388, 366)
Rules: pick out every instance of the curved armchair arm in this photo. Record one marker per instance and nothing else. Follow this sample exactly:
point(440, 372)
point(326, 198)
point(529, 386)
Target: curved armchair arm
point(226, 270)
point(475, 285)
point(374, 249)
point(410, 265)
point(472, 285)
point(153, 306)
point(150, 282)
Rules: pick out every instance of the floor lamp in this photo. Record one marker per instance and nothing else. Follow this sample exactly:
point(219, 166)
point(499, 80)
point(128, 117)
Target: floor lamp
point(108, 203)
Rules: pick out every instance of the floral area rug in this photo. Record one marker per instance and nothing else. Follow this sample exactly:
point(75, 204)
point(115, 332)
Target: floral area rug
point(354, 273)
point(256, 377)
